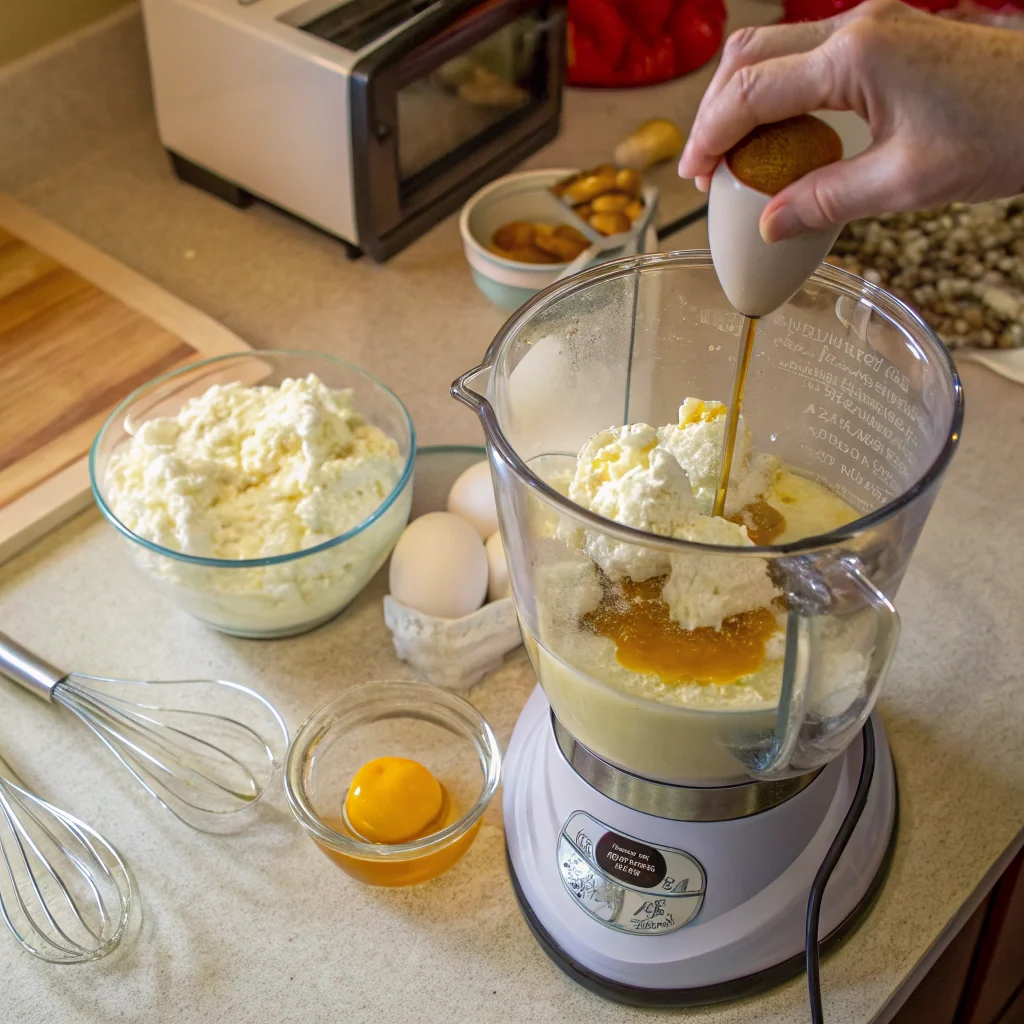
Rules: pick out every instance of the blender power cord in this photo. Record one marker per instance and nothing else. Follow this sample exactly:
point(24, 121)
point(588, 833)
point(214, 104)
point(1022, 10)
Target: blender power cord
point(835, 851)
point(666, 230)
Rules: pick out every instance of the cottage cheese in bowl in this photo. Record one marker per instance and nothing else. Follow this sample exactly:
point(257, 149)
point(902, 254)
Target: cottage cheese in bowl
point(261, 509)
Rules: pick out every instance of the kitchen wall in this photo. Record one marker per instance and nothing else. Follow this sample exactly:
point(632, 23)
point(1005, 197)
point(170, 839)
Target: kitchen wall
point(27, 25)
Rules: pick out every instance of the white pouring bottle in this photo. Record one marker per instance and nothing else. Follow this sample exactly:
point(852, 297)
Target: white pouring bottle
point(759, 276)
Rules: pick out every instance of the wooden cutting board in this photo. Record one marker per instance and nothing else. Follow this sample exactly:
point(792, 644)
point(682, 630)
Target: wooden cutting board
point(78, 332)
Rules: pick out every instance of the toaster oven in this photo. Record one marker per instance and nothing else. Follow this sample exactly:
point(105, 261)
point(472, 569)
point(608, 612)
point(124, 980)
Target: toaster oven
point(371, 119)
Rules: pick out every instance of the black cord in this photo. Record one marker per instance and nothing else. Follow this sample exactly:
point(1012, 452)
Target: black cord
point(666, 230)
point(835, 851)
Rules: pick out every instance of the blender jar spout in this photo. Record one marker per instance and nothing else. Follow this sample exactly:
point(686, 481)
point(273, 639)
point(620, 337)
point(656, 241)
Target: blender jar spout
point(471, 387)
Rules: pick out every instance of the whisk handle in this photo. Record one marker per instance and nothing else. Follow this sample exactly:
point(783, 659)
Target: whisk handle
point(28, 670)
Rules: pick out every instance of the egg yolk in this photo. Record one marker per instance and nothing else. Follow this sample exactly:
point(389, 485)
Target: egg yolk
point(393, 800)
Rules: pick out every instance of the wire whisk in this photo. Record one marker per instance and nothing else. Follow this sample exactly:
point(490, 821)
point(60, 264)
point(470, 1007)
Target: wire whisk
point(65, 893)
point(204, 748)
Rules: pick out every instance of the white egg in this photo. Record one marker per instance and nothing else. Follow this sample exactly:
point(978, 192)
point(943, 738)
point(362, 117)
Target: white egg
point(547, 378)
point(439, 567)
point(472, 497)
point(497, 568)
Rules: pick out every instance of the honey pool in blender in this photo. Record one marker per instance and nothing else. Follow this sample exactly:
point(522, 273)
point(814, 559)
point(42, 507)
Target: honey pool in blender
point(622, 671)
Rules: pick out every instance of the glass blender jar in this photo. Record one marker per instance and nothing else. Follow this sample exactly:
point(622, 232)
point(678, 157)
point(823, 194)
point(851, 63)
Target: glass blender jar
point(847, 387)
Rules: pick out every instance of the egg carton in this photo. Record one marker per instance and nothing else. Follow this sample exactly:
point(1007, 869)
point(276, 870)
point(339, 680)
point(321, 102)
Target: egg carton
point(454, 653)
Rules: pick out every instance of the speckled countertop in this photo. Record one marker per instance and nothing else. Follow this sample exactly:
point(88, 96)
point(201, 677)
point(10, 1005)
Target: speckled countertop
point(261, 927)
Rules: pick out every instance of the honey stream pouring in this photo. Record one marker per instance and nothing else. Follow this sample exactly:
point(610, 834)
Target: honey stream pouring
point(758, 276)
point(204, 749)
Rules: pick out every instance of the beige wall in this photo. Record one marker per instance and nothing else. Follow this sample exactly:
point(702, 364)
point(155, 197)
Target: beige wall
point(26, 25)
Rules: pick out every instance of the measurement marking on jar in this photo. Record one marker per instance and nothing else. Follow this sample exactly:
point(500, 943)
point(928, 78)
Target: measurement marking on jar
point(864, 414)
point(900, 380)
point(887, 476)
point(793, 346)
point(819, 455)
point(855, 498)
point(728, 321)
point(894, 460)
point(871, 443)
point(829, 417)
point(811, 331)
point(857, 374)
point(810, 373)
point(858, 403)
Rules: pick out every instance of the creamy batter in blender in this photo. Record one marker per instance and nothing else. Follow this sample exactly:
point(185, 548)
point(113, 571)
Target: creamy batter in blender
point(676, 782)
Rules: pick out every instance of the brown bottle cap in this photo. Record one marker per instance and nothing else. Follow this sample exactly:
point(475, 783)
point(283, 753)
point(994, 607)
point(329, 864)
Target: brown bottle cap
point(775, 155)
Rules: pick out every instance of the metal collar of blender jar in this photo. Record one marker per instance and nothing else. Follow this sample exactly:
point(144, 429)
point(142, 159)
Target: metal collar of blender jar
point(677, 803)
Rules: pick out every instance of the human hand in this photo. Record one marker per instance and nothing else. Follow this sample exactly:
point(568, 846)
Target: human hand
point(942, 100)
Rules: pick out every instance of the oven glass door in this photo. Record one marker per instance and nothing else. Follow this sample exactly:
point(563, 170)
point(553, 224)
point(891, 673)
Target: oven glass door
point(445, 111)
point(436, 117)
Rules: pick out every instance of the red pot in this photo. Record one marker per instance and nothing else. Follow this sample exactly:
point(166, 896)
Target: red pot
point(621, 43)
point(815, 10)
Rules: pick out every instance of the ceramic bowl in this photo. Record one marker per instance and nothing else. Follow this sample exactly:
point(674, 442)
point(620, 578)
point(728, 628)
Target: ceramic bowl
point(525, 196)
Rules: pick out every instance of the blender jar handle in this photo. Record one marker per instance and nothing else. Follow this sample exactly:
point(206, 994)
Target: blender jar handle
point(819, 592)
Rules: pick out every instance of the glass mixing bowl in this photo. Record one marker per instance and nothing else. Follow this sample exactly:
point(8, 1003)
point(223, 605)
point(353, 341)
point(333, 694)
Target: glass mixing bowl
point(440, 730)
point(847, 386)
point(283, 594)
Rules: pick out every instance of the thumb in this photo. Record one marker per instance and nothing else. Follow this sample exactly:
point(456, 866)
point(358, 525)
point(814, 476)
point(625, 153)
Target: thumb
point(866, 185)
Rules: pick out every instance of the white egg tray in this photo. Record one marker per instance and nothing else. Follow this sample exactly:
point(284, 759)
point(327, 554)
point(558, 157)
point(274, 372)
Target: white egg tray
point(454, 653)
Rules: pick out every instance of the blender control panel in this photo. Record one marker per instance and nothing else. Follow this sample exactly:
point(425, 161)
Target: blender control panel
point(625, 883)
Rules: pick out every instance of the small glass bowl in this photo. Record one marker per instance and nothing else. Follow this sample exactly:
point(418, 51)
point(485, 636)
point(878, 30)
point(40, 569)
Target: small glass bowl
point(280, 595)
point(441, 730)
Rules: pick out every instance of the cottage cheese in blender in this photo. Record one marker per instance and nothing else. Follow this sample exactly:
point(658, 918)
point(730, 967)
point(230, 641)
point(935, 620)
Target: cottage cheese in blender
point(632, 637)
point(244, 473)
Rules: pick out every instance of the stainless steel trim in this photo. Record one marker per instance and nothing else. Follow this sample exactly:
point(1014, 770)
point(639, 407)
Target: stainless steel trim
point(25, 668)
point(678, 803)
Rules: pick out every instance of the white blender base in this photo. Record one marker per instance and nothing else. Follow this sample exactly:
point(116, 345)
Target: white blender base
point(749, 931)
